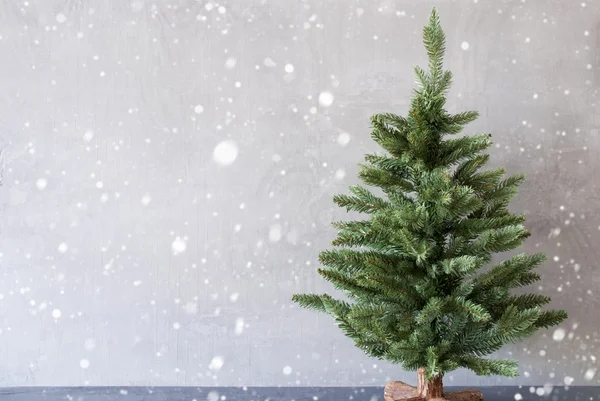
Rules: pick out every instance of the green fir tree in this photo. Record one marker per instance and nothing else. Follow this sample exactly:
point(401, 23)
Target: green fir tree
point(411, 271)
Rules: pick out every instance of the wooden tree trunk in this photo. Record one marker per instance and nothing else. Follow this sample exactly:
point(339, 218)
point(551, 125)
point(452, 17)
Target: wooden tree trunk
point(427, 391)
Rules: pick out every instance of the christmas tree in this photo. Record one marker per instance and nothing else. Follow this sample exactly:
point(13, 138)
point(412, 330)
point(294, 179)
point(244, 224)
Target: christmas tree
point(411, 271)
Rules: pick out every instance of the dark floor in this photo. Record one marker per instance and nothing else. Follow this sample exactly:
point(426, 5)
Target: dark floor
point(267, 394)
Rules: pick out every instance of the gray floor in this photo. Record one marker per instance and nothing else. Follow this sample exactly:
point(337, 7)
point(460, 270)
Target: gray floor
point(265, 394)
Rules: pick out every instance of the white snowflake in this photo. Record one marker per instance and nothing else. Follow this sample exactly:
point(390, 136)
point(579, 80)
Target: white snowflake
point(275, 233)
point(41, 183)
point(340, 174)
point(343, 139)
point(230, 63)
point(146, 199)
point(558, 334)
point(216, 363)
point(178, 246)
point(225, 153)
point(268, 62)
point(325, 99)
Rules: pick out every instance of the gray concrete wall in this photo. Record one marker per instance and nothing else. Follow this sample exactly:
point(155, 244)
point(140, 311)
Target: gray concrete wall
point(168, 169)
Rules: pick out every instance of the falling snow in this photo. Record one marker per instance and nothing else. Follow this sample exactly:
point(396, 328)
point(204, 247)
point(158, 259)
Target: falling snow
point(41, 183)
point(325, 99)
point(268, 62)
point(162, 198)
point(178, 246)
point(88, 136)
point(190, 308)
point(590, 374)
point(225, 153)
point(275, 233)
point(216, 364)
point(146, 199)
point(559, 334)
point(239, 326)
point(343, 139)
point(230, 63)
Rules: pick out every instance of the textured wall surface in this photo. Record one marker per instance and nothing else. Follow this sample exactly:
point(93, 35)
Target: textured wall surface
point(168, 168)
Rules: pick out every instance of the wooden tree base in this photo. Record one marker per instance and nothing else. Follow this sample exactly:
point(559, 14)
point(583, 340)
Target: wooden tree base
point(399, 391)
